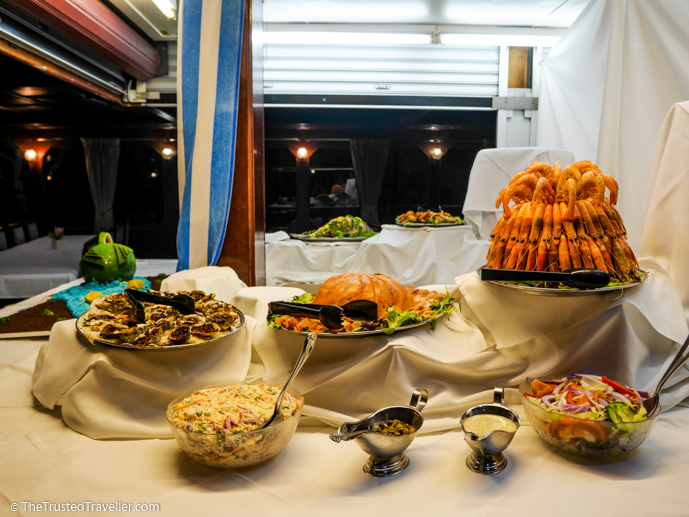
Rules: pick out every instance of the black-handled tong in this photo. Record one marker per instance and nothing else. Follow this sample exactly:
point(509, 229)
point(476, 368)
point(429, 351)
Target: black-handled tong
point(181, 302)
point(329, 315)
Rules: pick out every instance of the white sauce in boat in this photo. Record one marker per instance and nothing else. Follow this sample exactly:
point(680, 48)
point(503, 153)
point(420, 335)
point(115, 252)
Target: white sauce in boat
point(484, 424)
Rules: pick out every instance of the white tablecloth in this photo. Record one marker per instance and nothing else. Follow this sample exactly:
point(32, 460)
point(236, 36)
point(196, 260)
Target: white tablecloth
point(491, 172)
point(498, 337)
point(665, 228)
point(43, 461)
point(418, 256)
point(34, 267)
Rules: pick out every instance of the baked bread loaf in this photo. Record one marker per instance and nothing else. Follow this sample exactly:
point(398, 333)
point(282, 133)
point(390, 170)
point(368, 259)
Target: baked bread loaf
point(382, 289)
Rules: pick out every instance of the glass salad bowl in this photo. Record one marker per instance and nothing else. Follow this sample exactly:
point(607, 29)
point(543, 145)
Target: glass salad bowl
point(582, 436)
point(235, 448)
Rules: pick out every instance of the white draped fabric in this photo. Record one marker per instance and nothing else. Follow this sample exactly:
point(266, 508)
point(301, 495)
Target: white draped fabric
point(665, 227)
point(411, 255)
point(106, 392)
point(607, 85)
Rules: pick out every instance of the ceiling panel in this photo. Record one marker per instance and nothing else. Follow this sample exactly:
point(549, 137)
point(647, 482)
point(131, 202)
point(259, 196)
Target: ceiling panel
point(509, 13)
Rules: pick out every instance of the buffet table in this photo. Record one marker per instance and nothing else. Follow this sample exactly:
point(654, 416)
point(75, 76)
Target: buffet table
point(496, 337)
point(412, 255)
point(36, 266)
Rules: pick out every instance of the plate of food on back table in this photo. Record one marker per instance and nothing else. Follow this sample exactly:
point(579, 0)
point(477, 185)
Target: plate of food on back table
point(359, 305)
point(428, 218)
point(346, 228)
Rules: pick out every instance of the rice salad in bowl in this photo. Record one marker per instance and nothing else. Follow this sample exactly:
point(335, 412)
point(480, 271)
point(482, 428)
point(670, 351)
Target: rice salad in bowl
point(219, 426)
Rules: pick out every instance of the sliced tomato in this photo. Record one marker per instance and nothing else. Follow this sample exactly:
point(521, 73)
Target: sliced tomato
point(540, 388)
point(583, 398)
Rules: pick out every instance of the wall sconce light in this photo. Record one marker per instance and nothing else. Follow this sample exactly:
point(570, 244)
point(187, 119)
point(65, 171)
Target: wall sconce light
point(30, 155)
point(167, 153)
point(302, 153)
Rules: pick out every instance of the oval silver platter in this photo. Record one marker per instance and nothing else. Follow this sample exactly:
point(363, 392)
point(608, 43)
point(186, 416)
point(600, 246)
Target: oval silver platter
point(427, 225)
point(168, 348)
point(565, 292)
point(365, 333)
point(306, 238)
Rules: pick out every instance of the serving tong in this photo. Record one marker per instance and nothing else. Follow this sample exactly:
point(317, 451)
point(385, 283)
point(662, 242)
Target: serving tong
point(329, 315)
point(181, 302)
point(581, 278)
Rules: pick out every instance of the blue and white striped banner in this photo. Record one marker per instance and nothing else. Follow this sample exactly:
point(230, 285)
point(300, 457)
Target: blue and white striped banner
point(210, 50)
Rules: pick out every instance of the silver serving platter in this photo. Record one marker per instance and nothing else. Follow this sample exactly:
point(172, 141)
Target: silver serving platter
point(429, 225)
point(167, 348)
point(365, 333)
point(307, 238)
point(569, 291)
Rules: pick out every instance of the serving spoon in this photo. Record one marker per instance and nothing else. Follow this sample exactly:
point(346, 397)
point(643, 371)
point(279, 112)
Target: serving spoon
point(306, 350)
point(581, 278)
point(653, 402)
point(329, 315)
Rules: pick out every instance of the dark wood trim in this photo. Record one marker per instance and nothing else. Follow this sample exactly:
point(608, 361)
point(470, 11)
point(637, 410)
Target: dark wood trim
point(96, 27)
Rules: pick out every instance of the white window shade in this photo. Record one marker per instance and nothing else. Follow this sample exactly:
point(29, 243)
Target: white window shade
point(380, 69)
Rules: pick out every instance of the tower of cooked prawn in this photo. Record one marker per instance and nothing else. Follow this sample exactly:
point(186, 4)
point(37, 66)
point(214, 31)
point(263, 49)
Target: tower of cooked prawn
point(555, 219)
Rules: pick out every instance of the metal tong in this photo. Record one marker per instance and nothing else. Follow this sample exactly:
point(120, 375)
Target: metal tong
point(181, 302)
point(329, 315)
point(582, 278)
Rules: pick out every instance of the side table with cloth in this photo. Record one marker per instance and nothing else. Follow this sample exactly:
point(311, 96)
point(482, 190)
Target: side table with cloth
point(412, 255)
point(34, 267)
point(294, 261)
point(491, 172)
point(665, 230)
point(420, 255)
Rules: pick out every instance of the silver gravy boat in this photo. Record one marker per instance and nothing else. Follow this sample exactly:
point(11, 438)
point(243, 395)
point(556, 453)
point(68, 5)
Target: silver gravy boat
point(386, 452)
point(487, 456)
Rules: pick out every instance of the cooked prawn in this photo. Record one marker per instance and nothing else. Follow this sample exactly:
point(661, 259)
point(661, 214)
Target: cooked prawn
point(591, 186)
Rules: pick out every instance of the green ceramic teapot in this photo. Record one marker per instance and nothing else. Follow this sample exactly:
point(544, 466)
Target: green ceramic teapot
point(107, 261)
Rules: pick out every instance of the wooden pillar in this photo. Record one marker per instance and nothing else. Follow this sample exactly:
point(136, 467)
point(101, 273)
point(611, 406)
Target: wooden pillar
point(243, 248)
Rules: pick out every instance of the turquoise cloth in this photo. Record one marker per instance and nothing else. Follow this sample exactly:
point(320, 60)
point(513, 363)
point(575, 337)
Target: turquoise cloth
point(75, 299)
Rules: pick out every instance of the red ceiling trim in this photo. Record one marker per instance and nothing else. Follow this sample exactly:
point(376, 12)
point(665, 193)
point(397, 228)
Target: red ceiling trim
point(95, 26)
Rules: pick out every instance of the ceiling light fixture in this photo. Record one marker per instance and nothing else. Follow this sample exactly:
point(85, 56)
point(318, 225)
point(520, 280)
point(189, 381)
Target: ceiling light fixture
point(346, 38)
point(167, 7)
point(30, 155)
point(436, 153)
point(302, 153)
point(167, 153)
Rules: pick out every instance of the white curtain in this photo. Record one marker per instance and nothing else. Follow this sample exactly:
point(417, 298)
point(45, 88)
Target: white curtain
point(607, 86)
point(102, 156)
